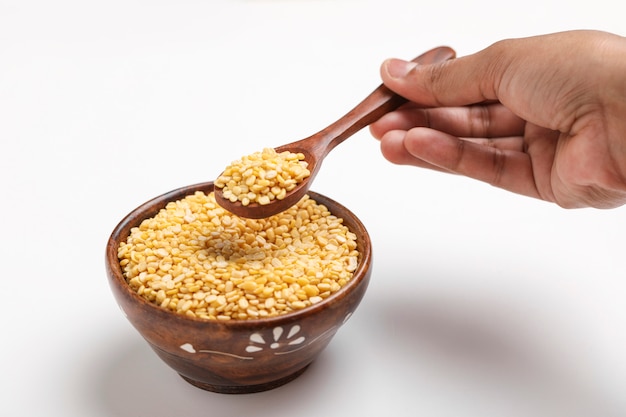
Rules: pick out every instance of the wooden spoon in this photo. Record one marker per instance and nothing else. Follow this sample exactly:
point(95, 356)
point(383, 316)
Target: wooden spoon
point(316, 147)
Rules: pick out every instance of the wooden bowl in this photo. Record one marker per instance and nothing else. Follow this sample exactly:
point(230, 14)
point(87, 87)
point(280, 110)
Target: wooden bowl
point(237, 356)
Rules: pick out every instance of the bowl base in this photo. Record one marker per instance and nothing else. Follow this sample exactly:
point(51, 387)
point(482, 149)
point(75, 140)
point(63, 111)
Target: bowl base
point(244, 389)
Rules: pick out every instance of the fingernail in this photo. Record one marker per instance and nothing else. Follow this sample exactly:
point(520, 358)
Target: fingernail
point(397, 68)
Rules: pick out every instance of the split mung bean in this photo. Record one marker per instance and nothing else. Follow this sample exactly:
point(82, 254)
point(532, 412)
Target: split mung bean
point(262, 176)
point(197, 259)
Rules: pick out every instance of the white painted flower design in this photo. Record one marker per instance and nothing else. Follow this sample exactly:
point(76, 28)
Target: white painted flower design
point(275, 340)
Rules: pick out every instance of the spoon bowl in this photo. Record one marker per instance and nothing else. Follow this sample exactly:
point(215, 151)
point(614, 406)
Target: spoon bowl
point(315, 147)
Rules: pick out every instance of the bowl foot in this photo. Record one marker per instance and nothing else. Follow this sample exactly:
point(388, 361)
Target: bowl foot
point(244, 389)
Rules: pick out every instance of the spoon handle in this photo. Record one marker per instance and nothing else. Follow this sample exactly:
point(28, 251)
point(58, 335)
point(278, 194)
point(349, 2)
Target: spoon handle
point(381, 101)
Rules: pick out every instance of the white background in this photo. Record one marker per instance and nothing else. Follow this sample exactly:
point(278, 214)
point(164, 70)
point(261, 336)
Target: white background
point(482, 303)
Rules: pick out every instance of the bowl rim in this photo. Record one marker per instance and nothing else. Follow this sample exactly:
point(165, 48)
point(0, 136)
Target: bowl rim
point(152, 206)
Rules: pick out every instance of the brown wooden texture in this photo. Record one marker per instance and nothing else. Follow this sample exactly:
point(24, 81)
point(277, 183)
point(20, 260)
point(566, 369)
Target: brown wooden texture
point(237, 356)
point(317, 146)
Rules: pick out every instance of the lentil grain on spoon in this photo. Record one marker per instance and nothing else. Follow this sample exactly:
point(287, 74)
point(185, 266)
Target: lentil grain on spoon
point(262, 177)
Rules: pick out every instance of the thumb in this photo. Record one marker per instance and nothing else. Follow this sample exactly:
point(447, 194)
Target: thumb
point(456, 82)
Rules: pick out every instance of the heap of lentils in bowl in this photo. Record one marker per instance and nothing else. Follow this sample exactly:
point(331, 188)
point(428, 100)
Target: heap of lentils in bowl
point(197, 259)
point(262, 176)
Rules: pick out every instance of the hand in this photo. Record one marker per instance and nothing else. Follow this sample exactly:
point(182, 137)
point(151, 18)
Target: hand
point(543, 116)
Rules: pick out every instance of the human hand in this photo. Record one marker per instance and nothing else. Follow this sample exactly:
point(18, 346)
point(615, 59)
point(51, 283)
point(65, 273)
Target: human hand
point(543, 116)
